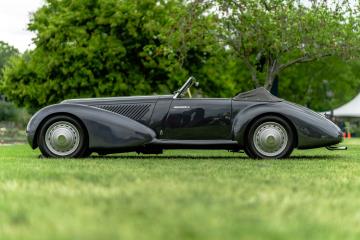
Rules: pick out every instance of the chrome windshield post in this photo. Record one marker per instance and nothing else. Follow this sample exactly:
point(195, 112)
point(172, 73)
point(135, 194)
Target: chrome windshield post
point(184, 88)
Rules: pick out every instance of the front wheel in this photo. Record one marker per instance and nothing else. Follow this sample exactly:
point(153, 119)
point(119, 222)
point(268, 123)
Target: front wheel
point(63, 137)
point(270, 137)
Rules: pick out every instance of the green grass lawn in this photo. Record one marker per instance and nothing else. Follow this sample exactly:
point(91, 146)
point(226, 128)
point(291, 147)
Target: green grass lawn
point(180, 195)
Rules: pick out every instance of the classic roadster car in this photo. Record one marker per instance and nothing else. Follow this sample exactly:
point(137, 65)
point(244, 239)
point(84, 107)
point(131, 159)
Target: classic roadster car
point(256, 122)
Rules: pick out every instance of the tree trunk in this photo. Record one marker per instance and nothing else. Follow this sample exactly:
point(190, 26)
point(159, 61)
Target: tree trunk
point(275, 87)
point(269, 81)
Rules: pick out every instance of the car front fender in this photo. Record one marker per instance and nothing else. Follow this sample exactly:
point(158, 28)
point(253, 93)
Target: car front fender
point(105, 129)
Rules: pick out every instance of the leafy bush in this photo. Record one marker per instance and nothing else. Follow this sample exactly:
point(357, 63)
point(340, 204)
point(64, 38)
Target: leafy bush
point(10, 113)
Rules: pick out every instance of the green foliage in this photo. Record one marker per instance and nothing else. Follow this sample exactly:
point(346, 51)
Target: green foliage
point(92, 48)
point(321, 85)
point(270, 36)
point(223, 76)
point(6, 52)
point(10, 113)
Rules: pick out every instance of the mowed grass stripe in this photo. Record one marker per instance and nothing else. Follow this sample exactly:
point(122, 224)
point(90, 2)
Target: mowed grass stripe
point(180, 195)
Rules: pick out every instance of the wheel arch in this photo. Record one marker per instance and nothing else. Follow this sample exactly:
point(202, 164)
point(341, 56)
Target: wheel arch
point(252, 121)
point(104, 129)
point(37, 132)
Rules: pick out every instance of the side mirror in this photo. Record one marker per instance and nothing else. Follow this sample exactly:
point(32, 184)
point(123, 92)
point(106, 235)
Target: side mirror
point(197, 84)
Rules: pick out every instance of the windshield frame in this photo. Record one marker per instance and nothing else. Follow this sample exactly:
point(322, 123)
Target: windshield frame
point(188, 84)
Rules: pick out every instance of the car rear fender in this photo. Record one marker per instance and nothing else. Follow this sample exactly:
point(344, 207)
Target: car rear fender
point(310, 128)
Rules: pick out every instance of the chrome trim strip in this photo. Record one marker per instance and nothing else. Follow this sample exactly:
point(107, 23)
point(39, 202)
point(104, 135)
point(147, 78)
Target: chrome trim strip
point(335, 148)
point(181, 107)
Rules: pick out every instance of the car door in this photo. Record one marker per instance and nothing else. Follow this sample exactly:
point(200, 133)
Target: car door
point(198, 119)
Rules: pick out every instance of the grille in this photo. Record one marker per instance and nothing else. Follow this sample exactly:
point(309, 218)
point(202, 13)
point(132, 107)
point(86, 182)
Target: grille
point(133, 111)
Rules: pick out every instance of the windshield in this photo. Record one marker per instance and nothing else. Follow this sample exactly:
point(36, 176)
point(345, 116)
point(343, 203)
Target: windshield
point(185, 88)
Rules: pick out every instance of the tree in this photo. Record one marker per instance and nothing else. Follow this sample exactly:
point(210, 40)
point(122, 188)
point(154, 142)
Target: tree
point(93, 48)
point(321, 85)
point(6, 52)
point(270, 36)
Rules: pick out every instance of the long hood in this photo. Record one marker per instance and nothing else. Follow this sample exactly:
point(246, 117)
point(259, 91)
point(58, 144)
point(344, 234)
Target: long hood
point(115, 100)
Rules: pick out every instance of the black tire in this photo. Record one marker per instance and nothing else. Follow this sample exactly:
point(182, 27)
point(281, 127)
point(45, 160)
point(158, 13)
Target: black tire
point(87, 153)
point(253, 150)
point(249, 153)
point(79, 150)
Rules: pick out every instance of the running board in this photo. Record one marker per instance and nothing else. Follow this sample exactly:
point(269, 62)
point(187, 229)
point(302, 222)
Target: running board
point(196, 144)
point(335, 148)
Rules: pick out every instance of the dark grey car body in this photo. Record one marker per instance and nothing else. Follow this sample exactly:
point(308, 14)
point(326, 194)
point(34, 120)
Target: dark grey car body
point(141, 124)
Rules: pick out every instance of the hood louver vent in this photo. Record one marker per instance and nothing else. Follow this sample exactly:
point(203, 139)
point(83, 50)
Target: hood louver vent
point(133, 111)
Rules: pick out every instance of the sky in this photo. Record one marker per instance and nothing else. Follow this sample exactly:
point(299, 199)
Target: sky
point(14, 17)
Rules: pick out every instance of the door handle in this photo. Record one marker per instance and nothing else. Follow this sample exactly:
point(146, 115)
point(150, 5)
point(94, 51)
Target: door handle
point(181, 107)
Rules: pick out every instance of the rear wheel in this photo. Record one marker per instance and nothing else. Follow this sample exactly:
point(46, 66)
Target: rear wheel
point(270, 137)
point(63, 137)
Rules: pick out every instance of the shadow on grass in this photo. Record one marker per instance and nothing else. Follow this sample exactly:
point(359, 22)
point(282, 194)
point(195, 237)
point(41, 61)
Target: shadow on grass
point(315, 157)
point(204, 157)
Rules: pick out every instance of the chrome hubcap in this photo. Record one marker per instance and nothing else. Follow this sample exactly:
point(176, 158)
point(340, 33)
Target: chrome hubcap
point(270, 139)
point(62, 138)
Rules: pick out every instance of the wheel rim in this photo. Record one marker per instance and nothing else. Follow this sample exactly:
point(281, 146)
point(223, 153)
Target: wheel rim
point(270, 139)
point(62, 138)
